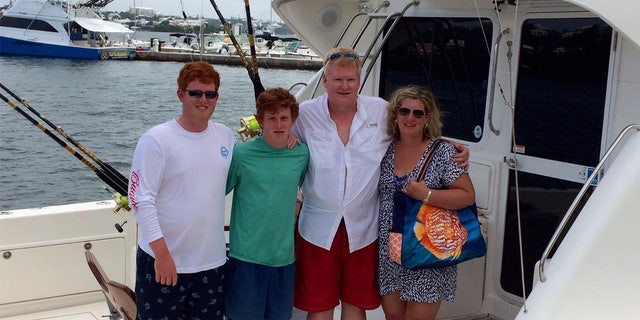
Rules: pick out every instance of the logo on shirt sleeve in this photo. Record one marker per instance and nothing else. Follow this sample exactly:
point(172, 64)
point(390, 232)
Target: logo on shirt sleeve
point(134, 183)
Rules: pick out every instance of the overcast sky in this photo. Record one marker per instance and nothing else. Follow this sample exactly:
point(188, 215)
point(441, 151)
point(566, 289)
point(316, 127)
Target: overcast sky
point(230, 8)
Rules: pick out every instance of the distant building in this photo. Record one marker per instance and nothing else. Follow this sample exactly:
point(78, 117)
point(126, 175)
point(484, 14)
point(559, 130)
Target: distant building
point(142, 12)
point(185, 23)
point(237, 28)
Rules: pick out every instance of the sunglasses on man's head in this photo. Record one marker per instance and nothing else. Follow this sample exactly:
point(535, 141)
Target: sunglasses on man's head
point(347, 55)
point(198, 94)
point(418, 114)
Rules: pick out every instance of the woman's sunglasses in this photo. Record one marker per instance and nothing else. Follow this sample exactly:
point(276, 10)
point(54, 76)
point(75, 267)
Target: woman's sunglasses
point(418, 114)
point(198, 94)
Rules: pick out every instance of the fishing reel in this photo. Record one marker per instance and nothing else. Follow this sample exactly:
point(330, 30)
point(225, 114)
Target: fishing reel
point(122, 204)
point(249, 128)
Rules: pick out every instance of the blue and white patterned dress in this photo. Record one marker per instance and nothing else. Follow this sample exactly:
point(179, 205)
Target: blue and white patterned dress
point(425, 285)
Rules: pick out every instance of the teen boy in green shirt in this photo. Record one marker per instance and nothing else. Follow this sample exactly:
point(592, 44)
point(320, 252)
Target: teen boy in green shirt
point(265, 176)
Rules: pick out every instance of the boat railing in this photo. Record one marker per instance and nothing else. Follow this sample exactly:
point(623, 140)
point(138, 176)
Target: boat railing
point(370, 17)
point(571, 212)
point(303, 84)
point(384, 4)
point(494, 64)
point(372, 59)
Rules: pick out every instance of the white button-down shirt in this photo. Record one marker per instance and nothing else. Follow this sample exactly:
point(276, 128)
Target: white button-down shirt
point(328, 197)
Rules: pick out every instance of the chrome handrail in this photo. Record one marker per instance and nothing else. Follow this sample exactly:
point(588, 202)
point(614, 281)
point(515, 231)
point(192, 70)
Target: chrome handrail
point(384, 39)
point(576, 201)
point(304, 84)
point(364, 27)
point(493, 81)
point(384, 4)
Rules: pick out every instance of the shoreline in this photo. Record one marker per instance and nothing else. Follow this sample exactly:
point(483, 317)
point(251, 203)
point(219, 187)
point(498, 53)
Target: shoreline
point(300, 63)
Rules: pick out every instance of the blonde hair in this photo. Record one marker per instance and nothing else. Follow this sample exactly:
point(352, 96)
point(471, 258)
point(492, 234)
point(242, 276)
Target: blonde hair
point(342, 57)
point(434, 124)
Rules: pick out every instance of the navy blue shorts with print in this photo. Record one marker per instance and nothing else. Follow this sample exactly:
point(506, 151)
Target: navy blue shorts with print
point(196, 296)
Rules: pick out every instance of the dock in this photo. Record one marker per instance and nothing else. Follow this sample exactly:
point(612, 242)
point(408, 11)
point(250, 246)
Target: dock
point(265, 62)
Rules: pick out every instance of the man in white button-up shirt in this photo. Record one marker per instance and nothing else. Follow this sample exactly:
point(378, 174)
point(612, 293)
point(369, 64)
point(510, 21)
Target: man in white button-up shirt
point(347, 137)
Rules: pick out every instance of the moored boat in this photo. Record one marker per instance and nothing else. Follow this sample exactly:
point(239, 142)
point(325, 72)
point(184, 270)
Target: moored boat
point(60, 30)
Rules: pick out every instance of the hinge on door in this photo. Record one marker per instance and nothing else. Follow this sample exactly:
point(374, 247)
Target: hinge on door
point(512, 163)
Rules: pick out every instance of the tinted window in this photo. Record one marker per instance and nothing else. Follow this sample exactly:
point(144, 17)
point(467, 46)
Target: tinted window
point(562, 75)
point(562, 78)
point(448, 55)
point(30, 24)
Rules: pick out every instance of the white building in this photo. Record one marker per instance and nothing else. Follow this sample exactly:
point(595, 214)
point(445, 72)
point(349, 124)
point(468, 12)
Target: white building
point(142, 12)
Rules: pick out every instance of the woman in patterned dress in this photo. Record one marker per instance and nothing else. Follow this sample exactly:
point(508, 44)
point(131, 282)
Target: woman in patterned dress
point(414, 122)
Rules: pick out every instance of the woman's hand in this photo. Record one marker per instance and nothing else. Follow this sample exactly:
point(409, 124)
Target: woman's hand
point(415, 189)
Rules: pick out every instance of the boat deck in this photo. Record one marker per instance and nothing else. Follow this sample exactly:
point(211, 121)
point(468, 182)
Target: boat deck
point(99, 310)
point(91, 311)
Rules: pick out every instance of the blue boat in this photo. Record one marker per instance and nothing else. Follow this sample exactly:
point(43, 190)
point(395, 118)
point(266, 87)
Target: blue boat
point(59, 30)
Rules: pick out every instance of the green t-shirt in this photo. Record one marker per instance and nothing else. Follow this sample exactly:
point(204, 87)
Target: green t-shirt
point(265, 185)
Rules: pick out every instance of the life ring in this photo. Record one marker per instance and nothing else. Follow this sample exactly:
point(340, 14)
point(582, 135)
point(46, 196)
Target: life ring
point(104, 55)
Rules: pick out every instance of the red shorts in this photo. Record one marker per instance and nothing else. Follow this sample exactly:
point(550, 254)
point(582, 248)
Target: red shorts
point(323, 278)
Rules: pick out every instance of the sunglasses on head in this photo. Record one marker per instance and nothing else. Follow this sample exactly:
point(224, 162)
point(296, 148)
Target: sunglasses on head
point(198, 94)
point(347, 55)
point(418, 114)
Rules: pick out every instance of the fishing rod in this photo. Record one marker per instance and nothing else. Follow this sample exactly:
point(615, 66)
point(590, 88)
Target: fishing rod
point(257, 84)
point(111, 177)
point(235, 43)
point(111, 171)
point(257, 90)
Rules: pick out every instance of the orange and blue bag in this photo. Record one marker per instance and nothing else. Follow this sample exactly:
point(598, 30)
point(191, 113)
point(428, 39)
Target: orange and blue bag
point(425, 236)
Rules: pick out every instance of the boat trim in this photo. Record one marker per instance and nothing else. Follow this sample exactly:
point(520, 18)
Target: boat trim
point(572, 209)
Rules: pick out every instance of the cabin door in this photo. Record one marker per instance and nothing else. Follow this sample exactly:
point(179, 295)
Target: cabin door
point(559, 116)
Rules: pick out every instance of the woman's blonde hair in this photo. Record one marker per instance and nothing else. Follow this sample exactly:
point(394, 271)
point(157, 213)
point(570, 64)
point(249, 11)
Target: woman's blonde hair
point(433, 128)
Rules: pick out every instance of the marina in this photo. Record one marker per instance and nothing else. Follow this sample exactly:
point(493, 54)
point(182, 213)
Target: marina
point(543, 93)
point(265, 62)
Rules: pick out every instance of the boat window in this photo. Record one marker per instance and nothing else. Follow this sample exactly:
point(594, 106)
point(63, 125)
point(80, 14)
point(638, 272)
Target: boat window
point(451, 57)
point(562, 74)
point(563, 69)
point(31, 24)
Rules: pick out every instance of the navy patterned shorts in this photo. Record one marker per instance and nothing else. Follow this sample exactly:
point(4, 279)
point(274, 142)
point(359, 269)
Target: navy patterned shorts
point(196, 296)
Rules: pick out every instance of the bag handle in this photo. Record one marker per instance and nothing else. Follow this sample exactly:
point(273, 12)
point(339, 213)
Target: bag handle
point(427, 161)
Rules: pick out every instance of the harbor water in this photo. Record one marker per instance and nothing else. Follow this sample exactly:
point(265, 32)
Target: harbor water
point(105, 106)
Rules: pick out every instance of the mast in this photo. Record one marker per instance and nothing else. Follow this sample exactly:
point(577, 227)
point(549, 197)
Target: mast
point(135, 16)
point(201, 44)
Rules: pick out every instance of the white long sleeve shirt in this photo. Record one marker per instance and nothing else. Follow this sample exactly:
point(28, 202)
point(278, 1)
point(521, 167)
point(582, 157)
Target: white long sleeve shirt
point(328, 197)
point(177, 191)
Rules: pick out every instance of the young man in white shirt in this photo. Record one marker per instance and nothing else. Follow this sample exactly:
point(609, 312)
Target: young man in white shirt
point(177, 192)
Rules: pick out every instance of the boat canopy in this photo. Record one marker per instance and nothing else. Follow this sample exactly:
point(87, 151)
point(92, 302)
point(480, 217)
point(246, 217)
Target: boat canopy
point(97, 25)
point(616, 13)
